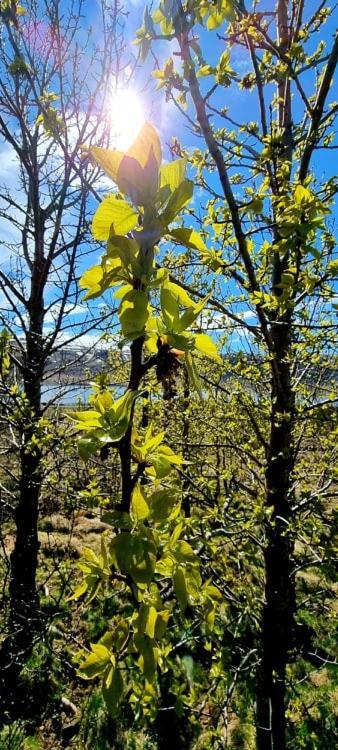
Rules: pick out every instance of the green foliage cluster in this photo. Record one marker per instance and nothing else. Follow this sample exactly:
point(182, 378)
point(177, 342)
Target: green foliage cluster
point(149, 553)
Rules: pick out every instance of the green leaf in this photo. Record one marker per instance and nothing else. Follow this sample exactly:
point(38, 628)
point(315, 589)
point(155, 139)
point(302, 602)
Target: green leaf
point(147, 660)
point(205, 345)
point(108, 160)
point(112, 273)
point(87, 420)
point(180, 294)
point(173, 174)
point(87, 446)
point(122, 406)
point(152, 441)
point(96, 662)
point(139, 504)
point(134, 554)
point(161, 466)
point(92, 280)
point(179, 198)
point(223, 12)
point(147, 141)
point(188, 238)
point(103, 402)
point(163, 460)
point(187, 319)
point(113, 694)
point(113, 216)
point(123, 248)
point(161, 505)
point(214, 21)
point(133, 313)
point(193, 374)
point(183, 552)
point(139, 183)
point(161, 623)
point(302, 196)
point(206, 70)
point(79, 591)
point(180, 588)
point(165, 566)
point(182, 341)
point(31, 743)
point(189, 666)
point(190, 315)
point(151, 622)
point(105, 426)
point(169, 307)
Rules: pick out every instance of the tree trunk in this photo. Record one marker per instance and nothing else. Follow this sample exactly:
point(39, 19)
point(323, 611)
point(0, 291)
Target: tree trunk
point(24, 615)
point(173, 730)
point(185, 443)
point(124, 446)
point(279, 606)
point(126, 475)
point(22, 587)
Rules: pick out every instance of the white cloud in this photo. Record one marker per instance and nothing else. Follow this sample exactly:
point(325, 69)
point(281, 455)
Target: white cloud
point(212, 321)
point(70, 310)
point(86, 340)
point(247, 315)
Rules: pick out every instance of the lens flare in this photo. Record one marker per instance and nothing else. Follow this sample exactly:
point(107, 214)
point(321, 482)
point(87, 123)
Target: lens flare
point(127, 118)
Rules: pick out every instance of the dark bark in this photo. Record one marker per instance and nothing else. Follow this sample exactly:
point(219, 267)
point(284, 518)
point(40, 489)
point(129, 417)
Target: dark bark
point(126, 476)
point(185, 440)
point(24, 615)
point(22, 587)
point(173, 730)
point(124, 447)
point(279, 607)
point(279, 596)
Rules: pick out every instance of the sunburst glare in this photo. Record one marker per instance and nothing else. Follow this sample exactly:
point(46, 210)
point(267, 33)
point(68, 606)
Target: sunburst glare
point(127, 117)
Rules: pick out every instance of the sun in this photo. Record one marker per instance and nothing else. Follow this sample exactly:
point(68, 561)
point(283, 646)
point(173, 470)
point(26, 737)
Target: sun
point(127, 117)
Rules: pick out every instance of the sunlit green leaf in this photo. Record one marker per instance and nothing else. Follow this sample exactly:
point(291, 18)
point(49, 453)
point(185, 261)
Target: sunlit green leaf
point(173, 174)
point(113, 216)
point(133, 313)
point(139, 504)
point(205, 345)
point(179, 198)
point(189, 238)
point(113, 693)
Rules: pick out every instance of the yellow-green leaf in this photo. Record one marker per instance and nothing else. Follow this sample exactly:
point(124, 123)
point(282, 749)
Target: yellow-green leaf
point(91, 280)
point(189, 238)
point(146, 140)
point(205, 345)
point(113, 216)
point(133, 313)
point(179, 294)
point(113, 693)
point(139, 505)
point(179, 198)
point(107, 159)
point(86, 420)
point(96, 662)
point(173, 174)
point(140, 183)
